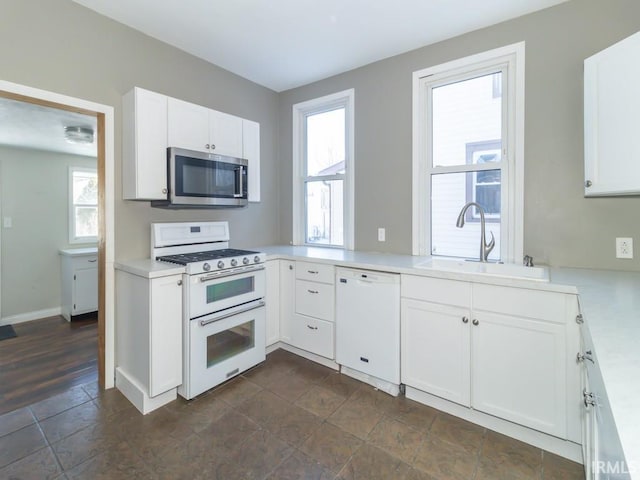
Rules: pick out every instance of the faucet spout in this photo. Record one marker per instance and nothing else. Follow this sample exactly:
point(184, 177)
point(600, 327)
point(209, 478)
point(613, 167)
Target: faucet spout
point(485, 248)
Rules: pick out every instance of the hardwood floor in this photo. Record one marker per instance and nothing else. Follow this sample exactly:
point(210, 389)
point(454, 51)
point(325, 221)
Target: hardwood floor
point(47, 357)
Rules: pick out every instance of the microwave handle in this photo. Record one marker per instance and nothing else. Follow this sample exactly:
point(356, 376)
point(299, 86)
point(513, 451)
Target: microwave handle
point(239, 173)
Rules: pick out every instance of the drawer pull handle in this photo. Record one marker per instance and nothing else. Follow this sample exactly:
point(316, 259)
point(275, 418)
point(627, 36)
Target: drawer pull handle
point(313, 272)
point(312, 291)
point(365, 360)
point(311, 328)
point(93, 261)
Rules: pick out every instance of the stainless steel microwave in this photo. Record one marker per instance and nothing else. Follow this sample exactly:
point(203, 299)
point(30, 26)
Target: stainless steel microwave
point(204, 180)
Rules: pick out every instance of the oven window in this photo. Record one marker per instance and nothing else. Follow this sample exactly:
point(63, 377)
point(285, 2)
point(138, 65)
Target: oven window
point(229, 289)
point(229, 343)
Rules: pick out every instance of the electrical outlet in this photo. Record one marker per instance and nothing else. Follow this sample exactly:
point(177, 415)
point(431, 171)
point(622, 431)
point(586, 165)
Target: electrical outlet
point(624, 247)
point(382, 233)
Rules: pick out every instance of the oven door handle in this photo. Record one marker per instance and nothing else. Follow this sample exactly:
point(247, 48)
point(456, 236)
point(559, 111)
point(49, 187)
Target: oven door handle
point(231, 314)
point(228, 274)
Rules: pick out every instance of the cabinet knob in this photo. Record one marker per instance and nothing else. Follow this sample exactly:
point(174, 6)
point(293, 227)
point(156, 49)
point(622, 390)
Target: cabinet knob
point(179, 282)
point(207, 146)
point(465, 319)
point(213, 146)
point(588, 183)
point(164, 190)
point(475, 321)
point(290, 267)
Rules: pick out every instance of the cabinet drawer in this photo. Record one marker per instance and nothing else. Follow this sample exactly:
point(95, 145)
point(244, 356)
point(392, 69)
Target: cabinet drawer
point(85, 261)
point(520, 302)
point(315, 272)
point(315, 299)
point(313, 335)
point(436, 290)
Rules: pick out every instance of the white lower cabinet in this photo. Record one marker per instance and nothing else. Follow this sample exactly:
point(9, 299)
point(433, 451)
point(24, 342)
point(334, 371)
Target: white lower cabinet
point(149, 335)
point(287, 299)
point(499, 350)
point(79, 281)
point(272, 300)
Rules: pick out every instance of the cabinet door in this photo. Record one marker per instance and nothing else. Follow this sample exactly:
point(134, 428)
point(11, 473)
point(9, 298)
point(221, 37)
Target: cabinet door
point(188, 125)
point(144, 140)
point(435, 349)
point(611, 105)
point(518, 371)
point(85, 291)
point(225, 134)
point(251, 151)
point(165, 327)
point(313, 335)
point(287, 299)
point(273, 301)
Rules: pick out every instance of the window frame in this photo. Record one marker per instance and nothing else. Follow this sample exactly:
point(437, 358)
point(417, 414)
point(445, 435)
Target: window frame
point(73, 238)
point(301, 110)
point(512, 59)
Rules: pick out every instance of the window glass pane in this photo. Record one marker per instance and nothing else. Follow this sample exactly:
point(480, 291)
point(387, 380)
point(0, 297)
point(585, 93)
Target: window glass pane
point(85, 188)
point(467, 112)
point(325, 142)
point(324, 202)
point(449, 193)
point(86, 221)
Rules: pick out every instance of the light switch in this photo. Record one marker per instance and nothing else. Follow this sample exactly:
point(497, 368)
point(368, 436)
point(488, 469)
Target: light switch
point(7, 222)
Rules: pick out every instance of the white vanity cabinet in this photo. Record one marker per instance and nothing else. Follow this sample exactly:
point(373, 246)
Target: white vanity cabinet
point(199, 128)
point(79, 267)
point(144, 145)
point(611, 124)
point(149, 331)
point(499, 350)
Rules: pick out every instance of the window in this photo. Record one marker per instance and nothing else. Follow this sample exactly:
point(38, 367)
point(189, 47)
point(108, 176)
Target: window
point(83, 205)
point(323, 171)
point(468, 147)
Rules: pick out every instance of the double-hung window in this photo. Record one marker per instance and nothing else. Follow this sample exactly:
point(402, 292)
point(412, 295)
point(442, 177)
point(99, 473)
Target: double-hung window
point(83, 205)
point(323, 171)
point(468, 147)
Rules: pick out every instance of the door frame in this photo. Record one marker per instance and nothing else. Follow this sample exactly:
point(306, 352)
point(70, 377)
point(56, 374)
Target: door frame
point(106, 210)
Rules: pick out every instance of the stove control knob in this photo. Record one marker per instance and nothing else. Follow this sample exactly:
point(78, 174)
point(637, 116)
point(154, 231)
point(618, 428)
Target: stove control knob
point(234, 262)
point(220, 264)
point(245, 261)
point(256, 259)
point(206, 267)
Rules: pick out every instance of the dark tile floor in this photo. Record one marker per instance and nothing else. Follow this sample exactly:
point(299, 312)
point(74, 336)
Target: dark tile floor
point(288, 418)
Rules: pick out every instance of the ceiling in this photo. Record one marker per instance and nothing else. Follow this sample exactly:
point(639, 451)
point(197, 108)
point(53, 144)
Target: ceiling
point(283, 44)
point(27, 125)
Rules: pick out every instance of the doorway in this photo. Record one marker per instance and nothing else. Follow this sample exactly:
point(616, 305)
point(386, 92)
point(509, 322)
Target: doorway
point(105, 241)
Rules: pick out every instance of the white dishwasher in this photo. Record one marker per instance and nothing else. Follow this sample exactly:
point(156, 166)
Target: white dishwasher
point(368, 326)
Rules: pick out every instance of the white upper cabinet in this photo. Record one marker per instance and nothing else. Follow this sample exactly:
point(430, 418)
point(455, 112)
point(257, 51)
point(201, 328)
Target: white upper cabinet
point(152, 122)
point(199, 128)
point(611, 120)
point(144, 145)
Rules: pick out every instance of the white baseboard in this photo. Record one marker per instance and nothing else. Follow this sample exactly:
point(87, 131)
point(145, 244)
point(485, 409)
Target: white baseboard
point(138, 395)
point(308, 355)
point(27, 317)
point(563, 448)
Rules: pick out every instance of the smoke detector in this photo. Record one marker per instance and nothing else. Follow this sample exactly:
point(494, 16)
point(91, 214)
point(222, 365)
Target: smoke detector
point(79, 135)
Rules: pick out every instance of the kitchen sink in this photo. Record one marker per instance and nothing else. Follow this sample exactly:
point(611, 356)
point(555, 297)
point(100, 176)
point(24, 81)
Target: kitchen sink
point(509, 270)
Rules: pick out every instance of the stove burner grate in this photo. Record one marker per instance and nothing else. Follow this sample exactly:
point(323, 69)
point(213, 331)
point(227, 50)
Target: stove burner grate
point(186, 258)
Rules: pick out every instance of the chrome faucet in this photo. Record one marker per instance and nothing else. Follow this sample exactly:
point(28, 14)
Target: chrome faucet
point(485, 248)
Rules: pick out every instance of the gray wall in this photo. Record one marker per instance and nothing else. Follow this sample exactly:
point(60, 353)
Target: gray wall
point(34, 187)
point(60, 46)
point(562, 228)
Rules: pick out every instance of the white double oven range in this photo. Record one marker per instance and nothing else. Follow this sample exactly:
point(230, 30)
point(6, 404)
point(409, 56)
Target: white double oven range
point(223, 302)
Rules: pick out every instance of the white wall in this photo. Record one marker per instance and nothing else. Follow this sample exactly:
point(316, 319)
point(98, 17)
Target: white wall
point(34, 193)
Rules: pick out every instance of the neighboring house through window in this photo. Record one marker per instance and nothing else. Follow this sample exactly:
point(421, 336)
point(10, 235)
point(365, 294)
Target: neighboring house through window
point(83, 205)
point(468, 147)
point(323, 171)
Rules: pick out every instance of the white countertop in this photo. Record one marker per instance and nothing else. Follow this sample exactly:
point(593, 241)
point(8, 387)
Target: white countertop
point(78, 252)
point(148, 268)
